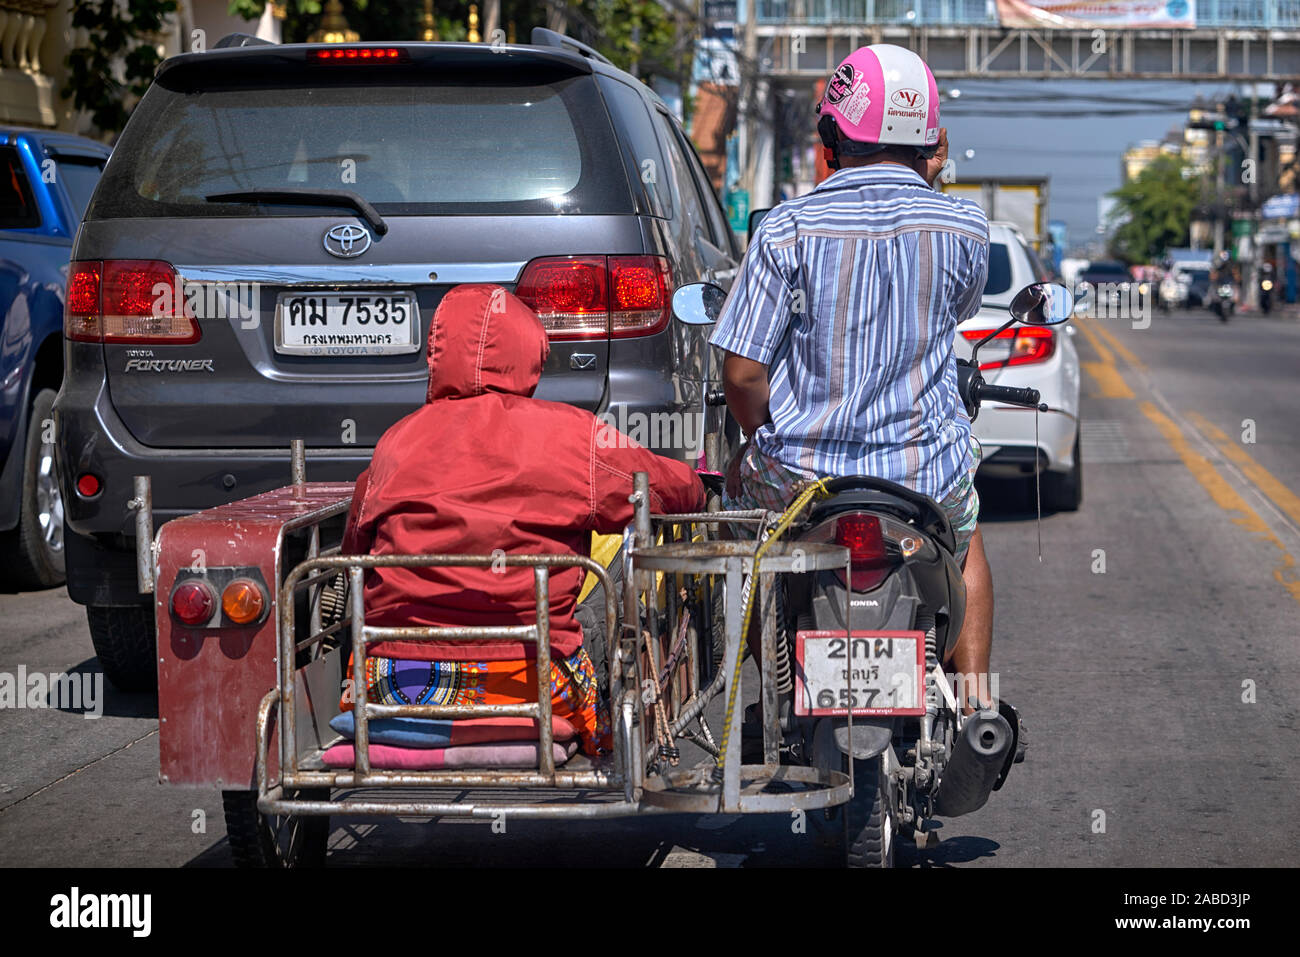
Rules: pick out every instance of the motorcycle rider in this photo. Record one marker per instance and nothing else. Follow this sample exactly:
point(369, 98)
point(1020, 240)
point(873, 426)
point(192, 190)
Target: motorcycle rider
point(839, 329)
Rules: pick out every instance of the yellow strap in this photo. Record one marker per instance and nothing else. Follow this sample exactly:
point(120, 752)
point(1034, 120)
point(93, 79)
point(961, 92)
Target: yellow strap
point(816, 490)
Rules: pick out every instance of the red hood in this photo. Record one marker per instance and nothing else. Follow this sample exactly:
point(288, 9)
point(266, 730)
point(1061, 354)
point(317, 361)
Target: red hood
point(484, 339)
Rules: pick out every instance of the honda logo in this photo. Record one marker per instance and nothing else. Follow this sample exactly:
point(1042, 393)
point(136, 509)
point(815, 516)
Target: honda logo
point(346, 241)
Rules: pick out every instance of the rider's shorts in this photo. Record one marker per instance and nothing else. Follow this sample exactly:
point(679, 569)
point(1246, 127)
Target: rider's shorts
point(772, 485)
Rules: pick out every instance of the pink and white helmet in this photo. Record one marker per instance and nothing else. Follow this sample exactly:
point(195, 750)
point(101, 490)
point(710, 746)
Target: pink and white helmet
point(882, 95)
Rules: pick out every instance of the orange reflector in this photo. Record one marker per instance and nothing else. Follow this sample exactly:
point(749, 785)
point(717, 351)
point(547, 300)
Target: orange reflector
point(242, 601)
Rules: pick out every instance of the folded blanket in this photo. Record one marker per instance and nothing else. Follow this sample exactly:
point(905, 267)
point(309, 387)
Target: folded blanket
point(428, 759)
point(437, 733)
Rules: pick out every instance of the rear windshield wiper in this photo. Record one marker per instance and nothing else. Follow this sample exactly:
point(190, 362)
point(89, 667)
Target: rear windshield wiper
point(303, 196)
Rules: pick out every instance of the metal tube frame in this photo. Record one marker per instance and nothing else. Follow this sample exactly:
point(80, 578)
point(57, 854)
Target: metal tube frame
point(619, 789)
point(626, 773)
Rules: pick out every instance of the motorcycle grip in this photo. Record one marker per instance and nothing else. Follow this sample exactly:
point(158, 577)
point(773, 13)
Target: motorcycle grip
point(1010, 395)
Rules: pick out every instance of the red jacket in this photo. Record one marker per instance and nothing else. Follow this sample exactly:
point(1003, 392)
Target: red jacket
point(484, 466)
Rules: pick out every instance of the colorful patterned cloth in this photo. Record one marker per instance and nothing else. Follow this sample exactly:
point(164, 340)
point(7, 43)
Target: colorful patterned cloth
point(767, 483)
point(573, 689)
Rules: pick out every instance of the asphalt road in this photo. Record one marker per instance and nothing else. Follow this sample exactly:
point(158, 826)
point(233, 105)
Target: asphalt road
point(1156, 686)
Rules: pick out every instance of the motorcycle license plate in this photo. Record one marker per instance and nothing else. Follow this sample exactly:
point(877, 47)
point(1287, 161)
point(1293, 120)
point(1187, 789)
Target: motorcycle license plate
point(347, 324)
point(873, 673)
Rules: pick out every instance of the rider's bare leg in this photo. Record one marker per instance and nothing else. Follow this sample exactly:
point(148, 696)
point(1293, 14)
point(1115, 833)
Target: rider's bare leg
point(971, 656)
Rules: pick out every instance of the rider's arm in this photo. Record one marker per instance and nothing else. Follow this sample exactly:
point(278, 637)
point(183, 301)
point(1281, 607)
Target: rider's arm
point(359, 535)
point(745, 382)
point(615, 458)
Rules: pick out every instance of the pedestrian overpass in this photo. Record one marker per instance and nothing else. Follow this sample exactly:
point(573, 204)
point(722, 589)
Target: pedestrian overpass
point(1246, 40)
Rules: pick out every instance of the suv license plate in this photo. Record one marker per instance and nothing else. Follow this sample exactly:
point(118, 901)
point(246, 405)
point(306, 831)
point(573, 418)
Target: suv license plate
point(874, 673)
point(336, 324)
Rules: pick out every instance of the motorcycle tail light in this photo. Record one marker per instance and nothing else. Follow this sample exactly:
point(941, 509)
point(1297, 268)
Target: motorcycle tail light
point(865, 540)
point(193, 602)
point(1028, 344)
point(242, 601)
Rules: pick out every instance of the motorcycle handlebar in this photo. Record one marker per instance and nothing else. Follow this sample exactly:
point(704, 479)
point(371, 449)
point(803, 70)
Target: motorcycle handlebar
point(1029, 398)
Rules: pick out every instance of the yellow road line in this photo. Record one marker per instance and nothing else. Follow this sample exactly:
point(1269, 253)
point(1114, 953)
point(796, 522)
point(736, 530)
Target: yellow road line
point(1265, 480)
point(1110, 383)
point(1226, 497)
point(1106, 375)
point(1119, 347)
point(1085, 325)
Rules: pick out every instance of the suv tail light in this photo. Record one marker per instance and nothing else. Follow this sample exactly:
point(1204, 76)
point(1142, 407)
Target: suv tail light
point(862, 535)
point(134, 301)
point(1028, 344)
point(592, 297)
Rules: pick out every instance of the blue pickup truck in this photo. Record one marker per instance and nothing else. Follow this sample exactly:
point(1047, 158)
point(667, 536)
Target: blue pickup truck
point(46, 179)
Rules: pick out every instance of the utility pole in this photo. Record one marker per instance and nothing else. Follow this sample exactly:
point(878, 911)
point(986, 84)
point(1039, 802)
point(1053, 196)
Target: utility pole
point(1220, 207)
point(1252, 291)
point(749, 100)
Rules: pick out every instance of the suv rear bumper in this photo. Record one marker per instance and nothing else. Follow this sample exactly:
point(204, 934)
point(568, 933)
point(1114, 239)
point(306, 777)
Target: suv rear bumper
point(90, 437)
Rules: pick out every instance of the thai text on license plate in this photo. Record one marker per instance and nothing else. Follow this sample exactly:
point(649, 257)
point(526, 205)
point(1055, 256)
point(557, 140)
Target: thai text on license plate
point(347, 324)
point(872, 673)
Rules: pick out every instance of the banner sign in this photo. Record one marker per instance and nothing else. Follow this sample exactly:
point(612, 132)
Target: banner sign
point(1089, 14)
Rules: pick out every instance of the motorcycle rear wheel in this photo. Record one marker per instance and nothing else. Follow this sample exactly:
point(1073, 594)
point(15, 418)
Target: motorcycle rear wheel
point(870, 823)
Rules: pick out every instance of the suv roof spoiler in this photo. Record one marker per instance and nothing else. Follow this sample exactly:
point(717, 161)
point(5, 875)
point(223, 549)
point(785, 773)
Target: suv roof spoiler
point(543, 37)
point(242, 40)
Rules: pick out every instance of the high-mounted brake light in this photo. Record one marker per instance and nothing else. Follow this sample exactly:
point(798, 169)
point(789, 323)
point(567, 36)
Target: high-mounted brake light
point(356, 55)
point(591, 297)
point(865, 540)
point(1028, 344)
point(134, 301)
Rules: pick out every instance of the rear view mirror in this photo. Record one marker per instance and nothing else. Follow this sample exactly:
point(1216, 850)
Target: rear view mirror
point(1043, 304)
point(755, 218)
point(698, 304)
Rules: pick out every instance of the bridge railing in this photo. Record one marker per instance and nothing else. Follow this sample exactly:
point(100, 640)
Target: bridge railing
point(1210, 14)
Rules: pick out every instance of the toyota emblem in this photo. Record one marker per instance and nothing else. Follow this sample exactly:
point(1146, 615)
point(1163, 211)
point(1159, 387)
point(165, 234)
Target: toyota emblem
point(346, 241)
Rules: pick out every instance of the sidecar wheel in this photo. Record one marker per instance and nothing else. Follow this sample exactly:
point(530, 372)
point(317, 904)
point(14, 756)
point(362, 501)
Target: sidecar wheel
point(261, 840)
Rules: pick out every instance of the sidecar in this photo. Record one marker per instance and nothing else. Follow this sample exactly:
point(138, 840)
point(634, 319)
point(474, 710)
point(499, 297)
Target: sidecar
point(258, 613)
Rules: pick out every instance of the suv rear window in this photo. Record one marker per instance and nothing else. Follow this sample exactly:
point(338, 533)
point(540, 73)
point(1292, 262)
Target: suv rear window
point(410, 140)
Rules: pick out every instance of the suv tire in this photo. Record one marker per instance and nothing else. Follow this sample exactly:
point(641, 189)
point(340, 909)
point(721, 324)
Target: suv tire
point(124, 639)
point(34, 548)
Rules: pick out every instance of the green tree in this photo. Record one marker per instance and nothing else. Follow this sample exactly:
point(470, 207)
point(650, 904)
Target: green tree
point(117, 64)
point(631, 33)
point(1153, 211)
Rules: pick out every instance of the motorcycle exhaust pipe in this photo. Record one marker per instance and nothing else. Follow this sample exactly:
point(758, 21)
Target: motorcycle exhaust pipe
point(977, 759)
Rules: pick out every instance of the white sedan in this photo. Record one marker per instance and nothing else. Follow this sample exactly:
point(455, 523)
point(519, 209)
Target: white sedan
point(1041, 357)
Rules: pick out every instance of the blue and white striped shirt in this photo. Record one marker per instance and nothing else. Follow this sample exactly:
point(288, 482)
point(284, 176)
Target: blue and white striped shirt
point(851, 296)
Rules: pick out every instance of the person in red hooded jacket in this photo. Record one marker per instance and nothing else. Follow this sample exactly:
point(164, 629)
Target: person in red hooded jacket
point(485, 468)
